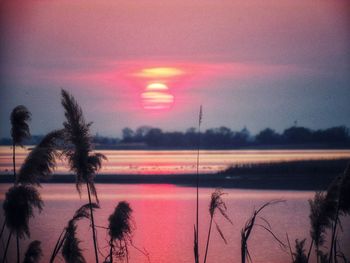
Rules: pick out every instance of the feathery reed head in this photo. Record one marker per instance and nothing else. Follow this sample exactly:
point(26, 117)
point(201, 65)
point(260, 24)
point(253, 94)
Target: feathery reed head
point(216, 203)
point(78, 148)
point(320, 217)
point(41, 161)
point(121, 226)
point(299, 254)
point(200, 117)
point(19, 122)
point(34, 252)
point(71, 251)
point(120, 222)
point(19, 204)
point(84, 211)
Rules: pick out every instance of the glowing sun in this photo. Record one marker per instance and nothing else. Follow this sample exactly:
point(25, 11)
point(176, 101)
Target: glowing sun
point(157, 97)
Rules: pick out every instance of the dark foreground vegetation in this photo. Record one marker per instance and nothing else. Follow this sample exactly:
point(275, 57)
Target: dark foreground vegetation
point(147, 137)
point(73, 144)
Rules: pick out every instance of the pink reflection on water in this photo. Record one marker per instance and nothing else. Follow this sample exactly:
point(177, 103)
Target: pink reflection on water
point(179, 161)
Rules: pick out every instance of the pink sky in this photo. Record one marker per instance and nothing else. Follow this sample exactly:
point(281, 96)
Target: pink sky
point(254, 63)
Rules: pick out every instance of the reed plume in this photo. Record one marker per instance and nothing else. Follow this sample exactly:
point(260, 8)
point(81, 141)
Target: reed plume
point(34, 252)
point(121, 226)
point(71, 251)
point(299, 255)
point(216, 204)
point(81, 213)
point(20, 116)
point(19, 204)
point(41, 161)
point(78, 150)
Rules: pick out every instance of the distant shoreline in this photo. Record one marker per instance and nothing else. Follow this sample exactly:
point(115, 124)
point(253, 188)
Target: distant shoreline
point(294, 175)
point(257, 181)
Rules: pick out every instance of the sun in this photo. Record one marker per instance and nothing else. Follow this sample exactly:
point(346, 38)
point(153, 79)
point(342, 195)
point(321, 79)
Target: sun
point(157, 97)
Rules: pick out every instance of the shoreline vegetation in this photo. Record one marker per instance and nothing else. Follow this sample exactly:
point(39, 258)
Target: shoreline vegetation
point(306, 175)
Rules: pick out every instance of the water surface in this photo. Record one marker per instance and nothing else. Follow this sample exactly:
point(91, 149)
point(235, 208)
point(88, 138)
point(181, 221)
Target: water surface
point(179, 161)
point(164, 216)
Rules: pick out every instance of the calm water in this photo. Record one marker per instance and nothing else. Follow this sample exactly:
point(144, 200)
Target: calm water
point(165, 215)
point(160, 162)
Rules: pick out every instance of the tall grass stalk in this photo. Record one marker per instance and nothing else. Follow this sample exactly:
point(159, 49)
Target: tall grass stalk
point(196, 240)
point(20, 116)
point(82, 212)
point(247, 229)
point(216, 203)
point(78, 150)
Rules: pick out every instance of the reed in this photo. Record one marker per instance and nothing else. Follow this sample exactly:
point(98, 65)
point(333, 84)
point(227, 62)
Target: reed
point(120, 229)
point(20, 116)
point(68, 237)
point(249, 225)
point(19, 204)
point(23, 197)
point(78, 151)
point(216, 204)
point(34, 252)
point(196, 228)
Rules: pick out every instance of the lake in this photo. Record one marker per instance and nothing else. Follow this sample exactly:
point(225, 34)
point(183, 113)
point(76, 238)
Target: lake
point(165, 215)
point(179, 161)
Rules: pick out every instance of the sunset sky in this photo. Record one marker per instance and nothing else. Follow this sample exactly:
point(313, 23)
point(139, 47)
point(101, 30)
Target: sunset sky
point(150, 62)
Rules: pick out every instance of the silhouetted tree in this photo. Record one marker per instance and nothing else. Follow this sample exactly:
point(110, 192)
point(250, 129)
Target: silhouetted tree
point(297, 135)
point(127, 134)
point(78, 150)
point(154, 137)
point(267, 136)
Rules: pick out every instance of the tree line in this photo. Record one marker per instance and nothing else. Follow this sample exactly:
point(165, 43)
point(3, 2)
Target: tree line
point(221, 137)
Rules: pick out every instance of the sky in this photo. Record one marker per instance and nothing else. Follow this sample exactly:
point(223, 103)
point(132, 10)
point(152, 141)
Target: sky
point(253, 64)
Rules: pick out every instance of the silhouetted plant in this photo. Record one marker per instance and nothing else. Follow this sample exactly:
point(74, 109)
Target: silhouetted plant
point(71, 251)
point(299, 254)
point(319, 221)
point(246, 231)
point(81, 213)
point(324, 210)
point(19, 129)
point(341, 189)
point(33, 253)
point(19, 204)
point(216, 203)
point(196, 228)
point(120, 227)
point(41, 161)
point(79, 153)
point(39, 164)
